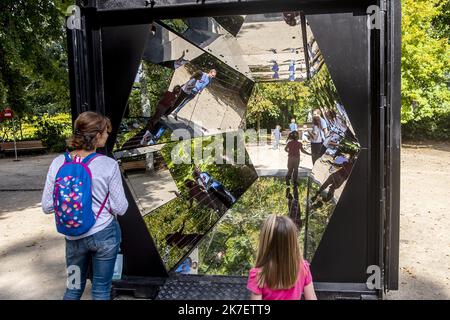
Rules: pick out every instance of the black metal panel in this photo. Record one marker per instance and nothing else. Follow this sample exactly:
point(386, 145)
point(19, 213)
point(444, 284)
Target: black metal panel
point(141, 257)
point(122, 52)
point(349, 243)
point(394, 27)
point(139, 15)
point(122, 49)
point(343, 38)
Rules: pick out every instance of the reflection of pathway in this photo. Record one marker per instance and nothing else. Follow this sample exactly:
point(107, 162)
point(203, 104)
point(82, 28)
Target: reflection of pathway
point(215, 109)
point(269, 162)
point(152, 190)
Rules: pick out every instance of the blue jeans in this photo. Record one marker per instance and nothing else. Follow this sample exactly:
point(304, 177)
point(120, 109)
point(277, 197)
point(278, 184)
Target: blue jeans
point(101, 248)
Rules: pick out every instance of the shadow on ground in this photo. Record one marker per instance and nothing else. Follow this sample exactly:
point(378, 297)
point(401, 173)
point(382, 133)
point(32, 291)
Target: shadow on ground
point(418, 288)
point(18, 201)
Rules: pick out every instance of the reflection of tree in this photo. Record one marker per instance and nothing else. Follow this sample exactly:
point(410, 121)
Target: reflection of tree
point(234, 177)
point(230, 249)
point(324, 92)
point(169, 219)
point(130, 127)
point(153, 82)
point(278, 102)
point(317, 222)
point(198, 219)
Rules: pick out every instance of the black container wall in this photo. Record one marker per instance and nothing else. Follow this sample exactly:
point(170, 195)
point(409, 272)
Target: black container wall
point(348, 63)
point(356, 233)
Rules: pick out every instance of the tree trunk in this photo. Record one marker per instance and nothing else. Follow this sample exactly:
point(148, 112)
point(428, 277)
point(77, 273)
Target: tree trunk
point(20, 128)
point(258, 122)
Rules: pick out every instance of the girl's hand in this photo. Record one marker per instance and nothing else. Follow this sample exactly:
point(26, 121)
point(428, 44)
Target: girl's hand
point(254, 296)
point(309, 292)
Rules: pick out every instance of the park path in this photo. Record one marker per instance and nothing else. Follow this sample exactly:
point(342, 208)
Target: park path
point(32, 264)
point(32, 253)
point(424, 222)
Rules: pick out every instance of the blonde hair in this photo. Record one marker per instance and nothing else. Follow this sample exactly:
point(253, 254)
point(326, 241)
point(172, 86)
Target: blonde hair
point(86, 127)
point(279, 257)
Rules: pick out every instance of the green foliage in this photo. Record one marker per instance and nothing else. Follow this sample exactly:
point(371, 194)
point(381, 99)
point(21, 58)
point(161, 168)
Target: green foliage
point(170, 218)
point(33, 60)
point(275, 103)
point(53, 131)
point(197, 219)
point(236, 177)
point(425, 69)
point(156, 81)
point(231, 248)
point(176, 24)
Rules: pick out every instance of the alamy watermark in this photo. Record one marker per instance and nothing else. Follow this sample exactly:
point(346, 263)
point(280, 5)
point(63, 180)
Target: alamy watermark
point(74, 17)
point(74, 277)
point(374, 280)
point(373, 17)
point(221, 148)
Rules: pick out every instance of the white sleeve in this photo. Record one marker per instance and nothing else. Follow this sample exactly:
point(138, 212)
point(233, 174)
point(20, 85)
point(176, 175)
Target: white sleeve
point(117, 200)
point(47, 195)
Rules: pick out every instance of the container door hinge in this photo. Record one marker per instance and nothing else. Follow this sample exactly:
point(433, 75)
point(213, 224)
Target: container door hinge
point(383, 102)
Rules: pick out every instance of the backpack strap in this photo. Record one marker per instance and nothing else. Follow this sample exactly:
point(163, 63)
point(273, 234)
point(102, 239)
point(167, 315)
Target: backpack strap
point(67, 157)
point(87, 161)
point(103, 206)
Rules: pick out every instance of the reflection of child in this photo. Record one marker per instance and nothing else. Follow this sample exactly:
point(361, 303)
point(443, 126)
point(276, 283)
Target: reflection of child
point(185, 267)
point(209, 184)
point(305, 136)
point(277, 136)
point(293, 148)
point(280, 272)
point(293, 125)
point(146, 138)
point(335, 180)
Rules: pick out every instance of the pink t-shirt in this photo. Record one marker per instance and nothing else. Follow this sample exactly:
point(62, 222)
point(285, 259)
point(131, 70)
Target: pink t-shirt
point(294, 293)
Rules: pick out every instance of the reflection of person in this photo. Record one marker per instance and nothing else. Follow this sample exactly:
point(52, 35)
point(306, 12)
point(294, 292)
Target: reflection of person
point(154, 131)
point(293, 149)
point(280, 272)
point(153, 134)
point(294, 206)
point(185, 267)
point(211, 185)
point(293, 125)
point(196, 192)
point(180, 240)
point(192, 88)
point(316, 139)
point(166, 102)
point(102, 241)
point(291, 18)
point(305, 134)
point(335, 180)
point(277, 136)
point(175, 64)
point(323, 123)
point(186, 92)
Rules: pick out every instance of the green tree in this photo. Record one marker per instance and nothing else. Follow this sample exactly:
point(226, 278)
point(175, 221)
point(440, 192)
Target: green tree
point(33, 66)
point(277, 102)
point(425, 69)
